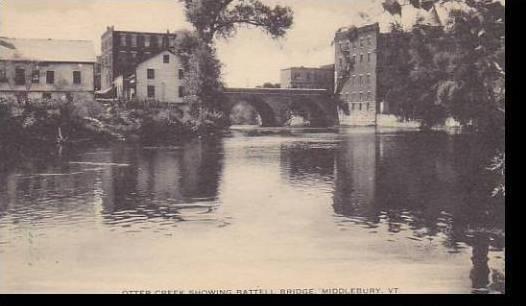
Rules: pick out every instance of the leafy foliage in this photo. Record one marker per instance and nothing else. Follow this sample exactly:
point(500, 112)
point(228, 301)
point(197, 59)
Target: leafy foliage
point(221, 18)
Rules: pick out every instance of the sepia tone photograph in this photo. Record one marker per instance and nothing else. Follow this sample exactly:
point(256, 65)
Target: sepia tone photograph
point(343, 147)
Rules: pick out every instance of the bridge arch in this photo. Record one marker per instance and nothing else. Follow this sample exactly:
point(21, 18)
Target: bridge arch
point(311, 111)
point(264, 110)
point(275, 106)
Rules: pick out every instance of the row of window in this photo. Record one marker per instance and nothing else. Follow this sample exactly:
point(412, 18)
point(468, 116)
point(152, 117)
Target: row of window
point(360, 79)
point(361, 106)
point(151, 91)
point(142, 41)
point(359, 97)
point(20, 76)
point(360, 43)
point(310, 76)
point(150, 74)
point(353, 59)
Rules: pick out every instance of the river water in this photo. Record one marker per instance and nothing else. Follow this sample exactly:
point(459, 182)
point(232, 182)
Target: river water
point(265, 209)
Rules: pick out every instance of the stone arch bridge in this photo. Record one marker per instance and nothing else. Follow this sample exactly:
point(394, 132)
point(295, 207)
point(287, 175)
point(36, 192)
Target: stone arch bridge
point(276, 105)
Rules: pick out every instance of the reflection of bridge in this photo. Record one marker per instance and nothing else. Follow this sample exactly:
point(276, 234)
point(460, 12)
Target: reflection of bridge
point(275, 105)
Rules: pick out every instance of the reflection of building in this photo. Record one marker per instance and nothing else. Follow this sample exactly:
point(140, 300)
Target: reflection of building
point(313, 78)
point(123, 50)
point(159, 77)
point(46, 68)
point(355, 183)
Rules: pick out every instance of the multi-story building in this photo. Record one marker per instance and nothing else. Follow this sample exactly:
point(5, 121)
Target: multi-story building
point(357, 73)
point(365, 64)
point(46, 68)
point(159, 78)
point(122, 50)
point(305, 77)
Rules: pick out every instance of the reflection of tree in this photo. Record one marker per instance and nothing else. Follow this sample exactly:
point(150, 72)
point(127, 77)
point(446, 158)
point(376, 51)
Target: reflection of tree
point(480, 273)
point(433, 185)
point(201, 166)
point(157, 180)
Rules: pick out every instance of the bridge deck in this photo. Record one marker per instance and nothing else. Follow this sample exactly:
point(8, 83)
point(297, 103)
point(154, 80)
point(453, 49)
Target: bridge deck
point(277, 91)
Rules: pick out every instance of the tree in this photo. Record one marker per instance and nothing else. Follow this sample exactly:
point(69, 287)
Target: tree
point(456, 70)
point(221, 18)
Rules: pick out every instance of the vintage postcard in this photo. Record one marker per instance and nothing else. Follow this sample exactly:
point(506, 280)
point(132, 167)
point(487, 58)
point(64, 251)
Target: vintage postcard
point(252, 146)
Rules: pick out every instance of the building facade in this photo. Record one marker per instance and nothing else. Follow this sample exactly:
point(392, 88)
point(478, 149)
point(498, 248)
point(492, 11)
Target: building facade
point(47, 69)
point(121, 51)
point(305, 77)
point(356, 74)
point(158, 78)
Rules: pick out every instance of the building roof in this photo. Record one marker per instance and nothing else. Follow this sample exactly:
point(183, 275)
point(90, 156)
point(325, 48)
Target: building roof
point(324, 67)
point(155, 54)
point(47, 50)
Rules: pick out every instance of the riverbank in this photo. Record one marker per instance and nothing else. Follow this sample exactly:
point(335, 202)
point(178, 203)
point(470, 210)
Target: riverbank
point(71, 122)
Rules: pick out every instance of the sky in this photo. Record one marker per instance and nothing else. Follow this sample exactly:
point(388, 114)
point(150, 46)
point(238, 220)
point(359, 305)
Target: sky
point(250, 58)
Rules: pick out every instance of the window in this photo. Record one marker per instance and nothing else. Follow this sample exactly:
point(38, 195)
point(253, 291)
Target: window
point(181, 91)
point(153, 41)
point(361, 42)
point(147, 41)
point(128, 40)
point(352, 106)
point(151, 91)
point(181, 74)
point(76, 77)
point(3, 76)
point(360, 106)
point(134, 41)
point(361, 96)
point(46, 95)
point(165, 42)
point(150, 74)
point(166, 58)
point(123, 40)
point(368, 106)
point(368, 40)
point(368, 97)
point(140, 41)
point(361, 80)
point(361, 58)
point(368, 79)
point(50, 77)
point(35, 76)
point(20, 76)
point(354, 58)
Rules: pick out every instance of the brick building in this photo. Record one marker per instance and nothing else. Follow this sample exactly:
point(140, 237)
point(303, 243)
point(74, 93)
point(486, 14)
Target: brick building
point(121, 51)
point(305, 77)
point(46, 69)
point(356, 66)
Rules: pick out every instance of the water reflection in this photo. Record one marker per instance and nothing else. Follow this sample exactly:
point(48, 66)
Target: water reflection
point(163, 182)
point(417, 191)
point(430, 186)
